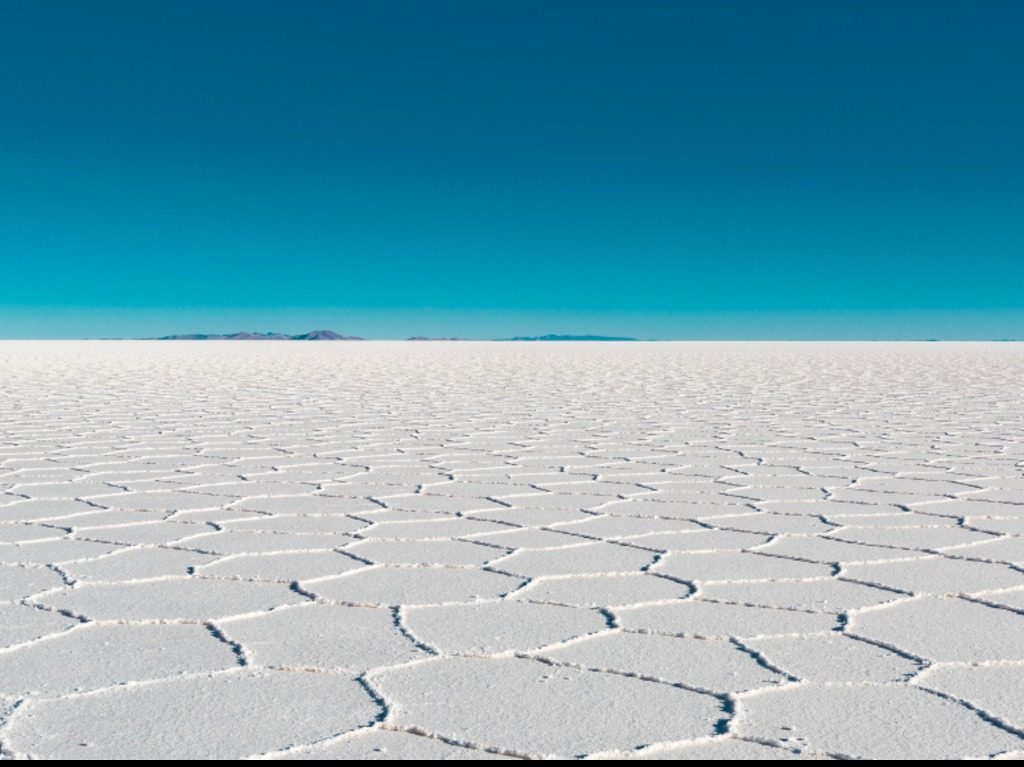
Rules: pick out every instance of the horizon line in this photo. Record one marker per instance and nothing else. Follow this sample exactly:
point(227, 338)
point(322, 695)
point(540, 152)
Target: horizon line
point(535, 340)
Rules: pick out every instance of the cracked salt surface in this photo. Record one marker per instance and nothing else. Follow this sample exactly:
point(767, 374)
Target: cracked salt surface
point(396, 551)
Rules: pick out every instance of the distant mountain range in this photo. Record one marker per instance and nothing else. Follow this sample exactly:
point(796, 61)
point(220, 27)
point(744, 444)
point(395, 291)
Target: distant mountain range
point(330, 335)
point(313, 335)
point(569, 338)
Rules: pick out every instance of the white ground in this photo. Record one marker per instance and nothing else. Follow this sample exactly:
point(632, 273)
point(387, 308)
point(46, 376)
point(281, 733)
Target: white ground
point(455, 550)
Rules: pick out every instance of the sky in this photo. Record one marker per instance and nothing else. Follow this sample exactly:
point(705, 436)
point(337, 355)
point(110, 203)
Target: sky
point(719, 169)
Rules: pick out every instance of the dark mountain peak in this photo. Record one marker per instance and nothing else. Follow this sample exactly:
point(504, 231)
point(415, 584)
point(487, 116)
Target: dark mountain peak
point(324, 335)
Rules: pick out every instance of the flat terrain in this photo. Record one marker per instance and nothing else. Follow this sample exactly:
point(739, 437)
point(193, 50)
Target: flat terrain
point(493, 550)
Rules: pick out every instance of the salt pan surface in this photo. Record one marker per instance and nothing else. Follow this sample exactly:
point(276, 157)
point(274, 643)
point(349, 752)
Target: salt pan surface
point(482, 550)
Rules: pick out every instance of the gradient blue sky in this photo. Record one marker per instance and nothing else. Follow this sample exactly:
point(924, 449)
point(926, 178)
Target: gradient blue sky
point(660, 169)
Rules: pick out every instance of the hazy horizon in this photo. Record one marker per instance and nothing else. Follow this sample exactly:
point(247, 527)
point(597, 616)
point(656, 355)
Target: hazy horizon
point(398, 325)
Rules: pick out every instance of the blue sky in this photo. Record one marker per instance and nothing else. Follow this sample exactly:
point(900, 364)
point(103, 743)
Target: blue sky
point(659, 169)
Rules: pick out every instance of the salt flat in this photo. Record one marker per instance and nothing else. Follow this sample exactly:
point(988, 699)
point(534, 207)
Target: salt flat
point(493, 550)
